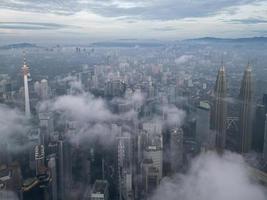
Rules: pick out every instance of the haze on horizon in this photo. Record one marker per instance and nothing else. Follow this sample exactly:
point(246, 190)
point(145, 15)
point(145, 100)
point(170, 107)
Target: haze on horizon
point(100, 20)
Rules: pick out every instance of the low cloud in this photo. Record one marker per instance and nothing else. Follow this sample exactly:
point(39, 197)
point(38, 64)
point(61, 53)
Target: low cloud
point(14, 129)
point(84, 108)
point(90, 116)
point(165, 28)
point(248, 21)
point(92, 132)
point(183, 59)
point(33, 26)
point(174, 116)
point(212, 177)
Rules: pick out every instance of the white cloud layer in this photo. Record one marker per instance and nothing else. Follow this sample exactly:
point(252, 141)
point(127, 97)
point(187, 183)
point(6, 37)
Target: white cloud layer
point(70, 20)
point(14, 128)
point(212, 177)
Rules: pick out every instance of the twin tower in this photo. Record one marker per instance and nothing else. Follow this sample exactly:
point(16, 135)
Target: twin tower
point(219, 111)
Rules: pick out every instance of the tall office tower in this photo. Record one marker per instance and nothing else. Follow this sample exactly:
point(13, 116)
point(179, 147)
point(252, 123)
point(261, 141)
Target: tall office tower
point(265, 142)
point(140, 146)
point(154, 151)
point(61, 189)
point(245, 120)
point(47, 123)
point(176, 149)
point(25, 70)
point(65, 169)
point(125, 166)
point(44, 89)
point(153, 128)
point(36, 87)
point(39, 159)
point(42, 173)
point(100, 190)
point(115, 88)
point(150, 178)
point(219, 110)
point(265, 102)
point(203, 136)
point(53, 170)
point(258, 128)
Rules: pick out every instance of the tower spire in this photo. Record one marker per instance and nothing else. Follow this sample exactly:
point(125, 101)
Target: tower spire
point(25, 71)
point(249, 67)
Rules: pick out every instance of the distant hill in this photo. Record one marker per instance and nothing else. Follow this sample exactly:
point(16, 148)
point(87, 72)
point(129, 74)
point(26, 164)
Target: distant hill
point(237, 40)
point(127, 44)
point(19, 46)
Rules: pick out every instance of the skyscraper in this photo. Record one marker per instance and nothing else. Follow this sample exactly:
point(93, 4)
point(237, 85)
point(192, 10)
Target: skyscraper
point(219, 110)
point(44, 89)
point(100, 190)
point(125, 157)
point(245, 120)
point(258, 128)
point(203, 133)
point(265, 142)
point(65, 168)
point(176, 149)
point(52, 165)
point(264, 102)
point(25, 70)
point(39, 159)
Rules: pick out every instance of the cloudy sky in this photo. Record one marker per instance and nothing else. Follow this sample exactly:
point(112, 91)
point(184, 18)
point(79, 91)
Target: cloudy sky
point(91, 20)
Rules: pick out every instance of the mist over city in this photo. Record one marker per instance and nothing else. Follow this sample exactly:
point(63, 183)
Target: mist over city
point(133, 100)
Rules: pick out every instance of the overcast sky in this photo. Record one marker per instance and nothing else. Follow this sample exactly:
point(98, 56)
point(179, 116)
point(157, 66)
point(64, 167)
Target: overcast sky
point(92, 20)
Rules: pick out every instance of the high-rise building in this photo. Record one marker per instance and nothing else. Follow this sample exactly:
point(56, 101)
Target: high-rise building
point(114, 88)
point(204, 137)
point(150, 177)
point(125, 168)
point(154, 151)
point(219, 110)
point(25, 70)
point(265, 142)
point(44, 89)
point(265, 102)
point(258, 128)
point(176, 149)
point(53, 170)
point(36, 87)
point(47, 123)
point(39, 159)
point(100, 190)
point(65, 168)
point(245, 120)
point(61, 188)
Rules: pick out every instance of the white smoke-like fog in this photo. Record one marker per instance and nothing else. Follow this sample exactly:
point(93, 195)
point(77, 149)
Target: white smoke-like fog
point(91, 116)
point(212, 177)
point(84, 108)
point(174, 116)
point(183, 59)
point(14, 127)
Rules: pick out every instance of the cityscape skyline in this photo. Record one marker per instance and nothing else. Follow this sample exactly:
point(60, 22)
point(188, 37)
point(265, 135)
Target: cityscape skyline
point(133, 100)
